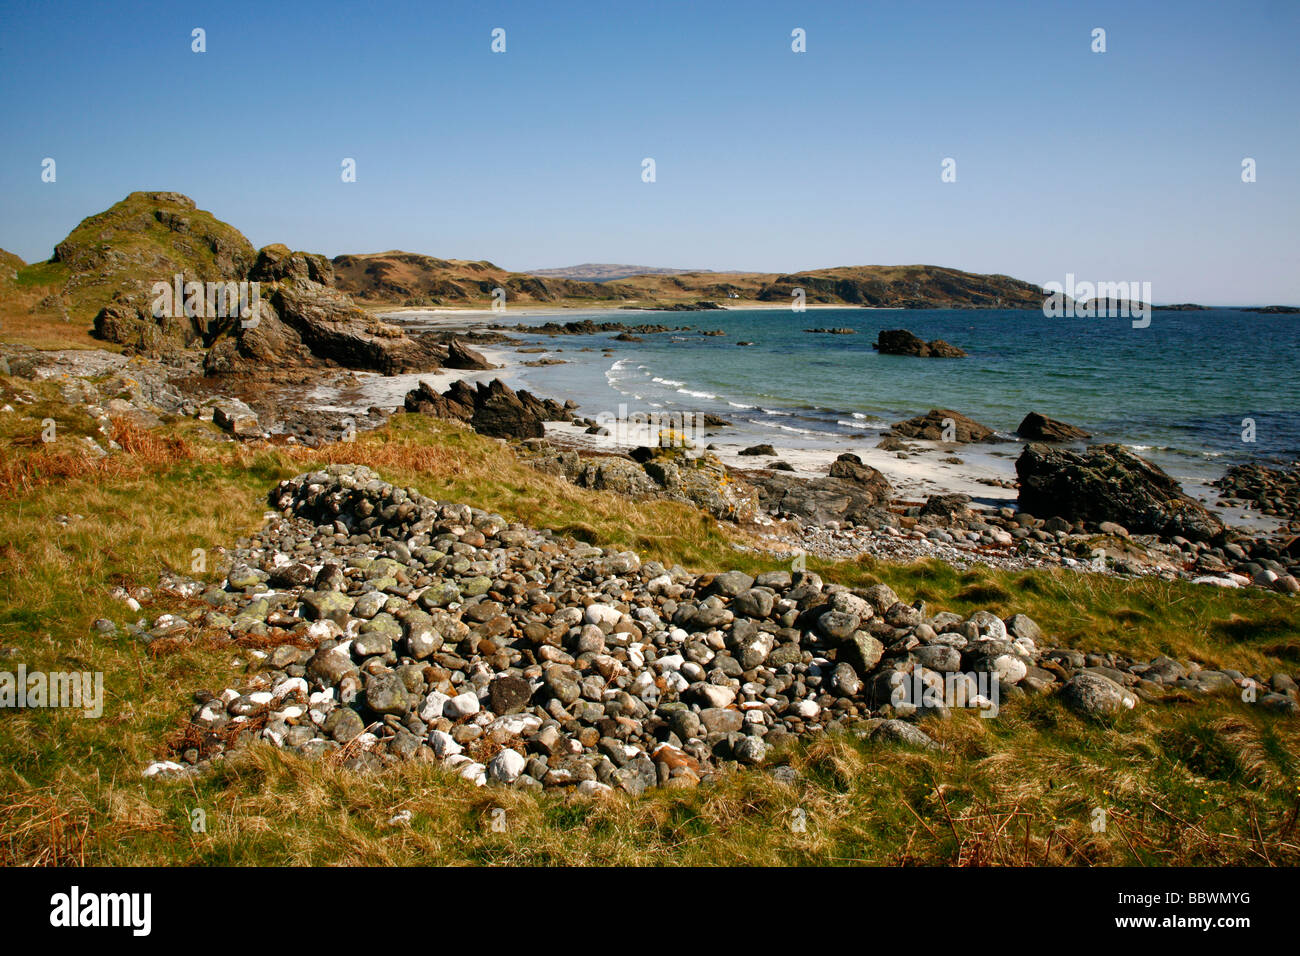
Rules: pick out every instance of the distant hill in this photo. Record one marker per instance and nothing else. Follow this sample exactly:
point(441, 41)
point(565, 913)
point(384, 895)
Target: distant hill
point(408, 278)
point(104, 270)
point(404, 278)
point(604, 271)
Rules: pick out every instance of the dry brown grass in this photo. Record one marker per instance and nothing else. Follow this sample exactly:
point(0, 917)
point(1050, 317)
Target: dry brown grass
point(1206, 782)
point(24, 322)
point(31, 464)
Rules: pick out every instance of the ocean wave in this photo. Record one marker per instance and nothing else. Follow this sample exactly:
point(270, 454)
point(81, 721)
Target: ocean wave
point(687, 391)
point(666, 381)
point(786, 428)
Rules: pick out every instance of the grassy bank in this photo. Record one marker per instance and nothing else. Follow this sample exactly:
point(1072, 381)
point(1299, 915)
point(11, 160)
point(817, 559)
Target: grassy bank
point(1194, 781)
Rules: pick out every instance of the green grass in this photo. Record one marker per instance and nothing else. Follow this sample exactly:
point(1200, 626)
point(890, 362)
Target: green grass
point(42, 274)
point(1199, 782)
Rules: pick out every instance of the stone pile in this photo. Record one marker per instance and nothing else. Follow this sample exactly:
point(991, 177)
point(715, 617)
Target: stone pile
point(400, 628)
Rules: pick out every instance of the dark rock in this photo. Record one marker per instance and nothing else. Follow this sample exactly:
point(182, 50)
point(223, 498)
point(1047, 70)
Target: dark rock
point(903, 342)
point(492, 408)
point(932, 424)
point(1036, 427)
point(461, 356)
point(1109, 483)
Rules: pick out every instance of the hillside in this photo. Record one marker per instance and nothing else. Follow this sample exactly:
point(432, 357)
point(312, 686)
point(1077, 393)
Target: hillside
point(408, 278)
point(403, 278)
point(104, 269)
point(10, 265)
point(148, 237)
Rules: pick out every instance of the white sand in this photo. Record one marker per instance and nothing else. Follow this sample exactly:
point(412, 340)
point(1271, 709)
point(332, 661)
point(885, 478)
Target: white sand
point(389, 391)
point(914, 478)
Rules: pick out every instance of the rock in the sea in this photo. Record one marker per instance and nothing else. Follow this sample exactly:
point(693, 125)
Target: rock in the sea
point(943, 424)
point(1036, 427)
point(758, 450)
point(903, 342)
point(1109, 483)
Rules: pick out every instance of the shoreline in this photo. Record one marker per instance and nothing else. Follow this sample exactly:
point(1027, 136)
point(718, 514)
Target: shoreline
point(986, 472)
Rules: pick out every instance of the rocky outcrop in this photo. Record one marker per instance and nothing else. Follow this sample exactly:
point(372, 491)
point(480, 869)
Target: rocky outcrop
point(113, 259)
point(903, 342)
point(301, 321)
point(1109, 483)
point(236, 417)
point(674, 474)
point(1036, 427)
point(277, 263)
point(852, 492)
point(849, 467)
point(491, 408)
point(461, 356)
point(943, 424)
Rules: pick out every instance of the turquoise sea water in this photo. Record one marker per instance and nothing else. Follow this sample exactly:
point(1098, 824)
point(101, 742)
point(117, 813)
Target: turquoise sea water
point(1177, 391)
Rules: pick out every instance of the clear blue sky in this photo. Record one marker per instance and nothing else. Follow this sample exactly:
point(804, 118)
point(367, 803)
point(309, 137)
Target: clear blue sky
point(1117, 166)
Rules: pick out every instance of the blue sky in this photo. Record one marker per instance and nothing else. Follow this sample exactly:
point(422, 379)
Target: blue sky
point(1123, 165)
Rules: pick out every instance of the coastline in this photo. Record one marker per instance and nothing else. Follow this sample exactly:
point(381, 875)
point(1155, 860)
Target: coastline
point(984, 472)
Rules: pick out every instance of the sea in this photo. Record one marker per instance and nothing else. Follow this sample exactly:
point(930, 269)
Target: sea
point(1193, 391)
